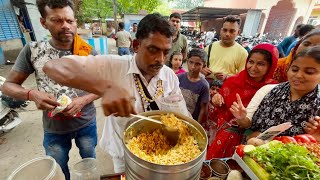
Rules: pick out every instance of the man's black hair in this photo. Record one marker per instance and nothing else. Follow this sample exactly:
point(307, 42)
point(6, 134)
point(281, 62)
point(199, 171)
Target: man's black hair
point(216, 83)
point(305, 29)
point(153, 23)
point(299, 26)
point(200, 53)
point(175, 15)
point(53, 4)
point(121, 25)
point(232, 19)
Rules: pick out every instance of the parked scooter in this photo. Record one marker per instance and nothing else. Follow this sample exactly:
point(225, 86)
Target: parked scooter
point(9, 118)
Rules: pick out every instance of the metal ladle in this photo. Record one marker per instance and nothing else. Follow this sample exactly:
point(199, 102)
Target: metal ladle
point(171, 133)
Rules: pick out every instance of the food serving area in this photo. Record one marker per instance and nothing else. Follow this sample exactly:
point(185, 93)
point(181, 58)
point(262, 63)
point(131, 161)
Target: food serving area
point(288, 156)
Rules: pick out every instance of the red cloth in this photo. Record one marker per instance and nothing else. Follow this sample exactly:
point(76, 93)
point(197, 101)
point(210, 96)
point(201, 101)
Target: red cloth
point(180, 71)
point(227, 137)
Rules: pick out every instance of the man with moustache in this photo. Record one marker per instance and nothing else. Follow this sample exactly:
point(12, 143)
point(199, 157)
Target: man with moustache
point(179, 41)
point(226, 57)
point(78, 120)
point(128, 84)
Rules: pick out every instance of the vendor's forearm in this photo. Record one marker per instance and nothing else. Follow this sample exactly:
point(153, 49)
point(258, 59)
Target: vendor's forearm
point(70, 73)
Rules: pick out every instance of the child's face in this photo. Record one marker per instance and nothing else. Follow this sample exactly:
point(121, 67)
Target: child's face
point(195, 64)
point(214, 90)
point(176, 61)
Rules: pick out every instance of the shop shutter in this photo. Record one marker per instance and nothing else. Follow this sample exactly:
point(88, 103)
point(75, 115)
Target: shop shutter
point(9, 27)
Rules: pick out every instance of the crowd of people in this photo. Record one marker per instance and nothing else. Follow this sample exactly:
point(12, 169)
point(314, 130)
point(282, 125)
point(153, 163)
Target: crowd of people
point(234, 94)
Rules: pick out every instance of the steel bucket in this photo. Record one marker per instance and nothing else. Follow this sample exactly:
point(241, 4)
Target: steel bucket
point(137, 168)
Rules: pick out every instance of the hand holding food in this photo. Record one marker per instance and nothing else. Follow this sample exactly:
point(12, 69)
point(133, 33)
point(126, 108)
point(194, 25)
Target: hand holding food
point(43, 100)
point(64, 101)
point(74, 107)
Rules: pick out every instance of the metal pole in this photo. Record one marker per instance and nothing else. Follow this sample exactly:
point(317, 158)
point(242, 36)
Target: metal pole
point(115, 14)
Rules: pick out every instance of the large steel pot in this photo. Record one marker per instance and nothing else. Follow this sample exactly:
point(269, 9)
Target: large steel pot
point(137, 168)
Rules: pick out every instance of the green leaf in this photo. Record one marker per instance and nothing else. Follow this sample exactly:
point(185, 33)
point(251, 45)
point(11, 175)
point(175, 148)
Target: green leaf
point(287, 161)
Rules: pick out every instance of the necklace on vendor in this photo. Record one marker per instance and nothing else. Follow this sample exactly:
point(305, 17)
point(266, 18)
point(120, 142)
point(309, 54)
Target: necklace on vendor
point(144, 94)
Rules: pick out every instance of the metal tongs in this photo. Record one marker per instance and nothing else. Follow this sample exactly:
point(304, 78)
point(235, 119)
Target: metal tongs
point(171, 133)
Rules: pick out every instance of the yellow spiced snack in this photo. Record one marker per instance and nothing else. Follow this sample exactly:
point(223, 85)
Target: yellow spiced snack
point(155, 147)
point(63, 100)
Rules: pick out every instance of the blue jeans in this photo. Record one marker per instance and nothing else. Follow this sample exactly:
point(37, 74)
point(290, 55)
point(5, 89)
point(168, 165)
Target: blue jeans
point(123, 51)
point(59, 145)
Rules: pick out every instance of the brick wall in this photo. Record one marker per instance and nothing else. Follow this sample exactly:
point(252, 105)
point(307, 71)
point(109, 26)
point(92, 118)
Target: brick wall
point(280, 18)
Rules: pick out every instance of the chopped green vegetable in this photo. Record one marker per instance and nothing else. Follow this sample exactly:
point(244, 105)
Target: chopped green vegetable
point(287, 161)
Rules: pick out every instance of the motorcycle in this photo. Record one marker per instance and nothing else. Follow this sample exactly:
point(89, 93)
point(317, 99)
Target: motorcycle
point(9, 117)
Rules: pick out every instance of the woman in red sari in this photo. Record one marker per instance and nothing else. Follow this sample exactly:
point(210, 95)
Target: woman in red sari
point(260, 66)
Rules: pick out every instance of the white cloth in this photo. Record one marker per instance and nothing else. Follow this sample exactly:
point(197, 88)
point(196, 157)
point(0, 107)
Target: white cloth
point(257, 98)
point(120, 69)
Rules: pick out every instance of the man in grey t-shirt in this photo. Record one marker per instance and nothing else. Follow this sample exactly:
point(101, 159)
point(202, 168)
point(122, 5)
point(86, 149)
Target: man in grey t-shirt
point(78, 119)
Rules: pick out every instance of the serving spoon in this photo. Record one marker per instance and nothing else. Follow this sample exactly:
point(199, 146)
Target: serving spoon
point(171, 133)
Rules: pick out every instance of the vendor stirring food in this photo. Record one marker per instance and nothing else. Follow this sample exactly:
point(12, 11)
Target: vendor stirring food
point(142, 77)
point(155, 147)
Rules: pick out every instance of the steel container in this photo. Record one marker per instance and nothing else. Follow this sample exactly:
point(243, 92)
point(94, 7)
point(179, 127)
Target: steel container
point(137, 168)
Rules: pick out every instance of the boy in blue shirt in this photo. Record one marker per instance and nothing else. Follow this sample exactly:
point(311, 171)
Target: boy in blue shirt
point(194, 87)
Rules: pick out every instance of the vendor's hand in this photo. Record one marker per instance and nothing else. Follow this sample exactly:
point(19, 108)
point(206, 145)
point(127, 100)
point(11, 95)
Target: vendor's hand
point(220, 76)
point(74, 107)
point(43, 100)
point(206, 71)
point(313, 127)
point(238, 110)
point(117, 101)
point(217, 100)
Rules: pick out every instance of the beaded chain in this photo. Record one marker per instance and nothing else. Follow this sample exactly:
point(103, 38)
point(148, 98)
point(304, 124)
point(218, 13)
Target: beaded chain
point(158, 93)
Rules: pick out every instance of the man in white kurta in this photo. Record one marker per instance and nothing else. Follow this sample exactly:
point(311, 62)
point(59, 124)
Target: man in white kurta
point(116, 78)
point(121, 70)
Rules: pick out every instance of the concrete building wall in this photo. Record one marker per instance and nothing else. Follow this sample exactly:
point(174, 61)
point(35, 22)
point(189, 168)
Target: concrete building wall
point(283, 20)
point(281, 13)
point(11, 49)
point(129, 19)
point(40, 32)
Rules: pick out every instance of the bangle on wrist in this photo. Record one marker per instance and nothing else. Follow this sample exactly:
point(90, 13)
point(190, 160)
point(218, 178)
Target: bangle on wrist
point(28, 94)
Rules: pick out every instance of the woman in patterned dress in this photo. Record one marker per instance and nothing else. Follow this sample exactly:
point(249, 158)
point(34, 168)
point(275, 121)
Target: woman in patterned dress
point(260, 67)
point(296, 101)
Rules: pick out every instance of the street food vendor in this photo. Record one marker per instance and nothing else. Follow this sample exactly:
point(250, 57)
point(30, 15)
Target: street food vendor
point(296, 101)
point(128, 84)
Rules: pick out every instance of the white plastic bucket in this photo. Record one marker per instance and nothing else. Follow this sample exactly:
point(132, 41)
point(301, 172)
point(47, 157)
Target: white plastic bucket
point(42, 168)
